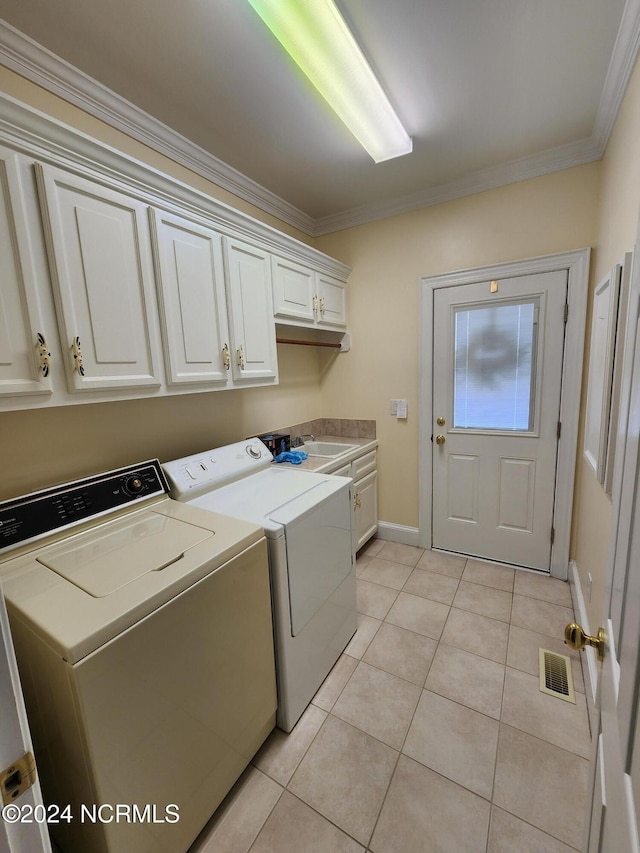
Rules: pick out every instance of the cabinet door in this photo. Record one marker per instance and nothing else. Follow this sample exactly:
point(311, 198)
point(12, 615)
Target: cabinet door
point(332, 305)
point(366, 491)
point(251, 322)
point(193, 308)
point(293, 291)
point(24, 355)
point(100, 260)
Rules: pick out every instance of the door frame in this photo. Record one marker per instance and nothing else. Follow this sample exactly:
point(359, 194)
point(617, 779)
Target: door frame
point(576, 263)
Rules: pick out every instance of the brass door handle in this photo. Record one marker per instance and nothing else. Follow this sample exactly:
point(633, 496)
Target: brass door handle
point(440, 421)
point(575, 636)
point(440, 439)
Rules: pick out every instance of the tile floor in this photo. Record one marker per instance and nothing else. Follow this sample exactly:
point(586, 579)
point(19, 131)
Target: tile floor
point(430, 733)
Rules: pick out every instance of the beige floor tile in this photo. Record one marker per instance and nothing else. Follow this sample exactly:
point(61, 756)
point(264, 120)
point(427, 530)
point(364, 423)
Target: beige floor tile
point(543, 587)
point(386, 573)
point(367, 629)
point(562, 723)
point(455, 741)
point(334, 683)
point(294, 827)
point(401, 652)
point(344, 776)
point(443, 564)
point(540, 616)
point(241, 815)
point(374, 600)
point(478, 634)
point(408, 555)
point(282, 752)
point(488, 574)
point(361, 565)
point(467, 678)
point(531, 783)
point(509, 834)
point(424, 811)
point(431, 585)
point(371, 548)
point(523, 653)
point(378, 703)
point(494, 603)
point(418, 614)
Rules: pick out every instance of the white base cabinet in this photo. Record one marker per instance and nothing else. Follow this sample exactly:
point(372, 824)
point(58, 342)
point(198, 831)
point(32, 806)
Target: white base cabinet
point(363, 471)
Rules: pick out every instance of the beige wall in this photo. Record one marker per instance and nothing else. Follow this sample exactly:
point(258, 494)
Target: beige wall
point(617, 226)
point(554, 213)
point(48, 446)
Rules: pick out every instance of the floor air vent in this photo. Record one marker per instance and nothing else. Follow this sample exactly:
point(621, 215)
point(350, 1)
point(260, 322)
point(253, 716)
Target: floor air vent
point(555, 676)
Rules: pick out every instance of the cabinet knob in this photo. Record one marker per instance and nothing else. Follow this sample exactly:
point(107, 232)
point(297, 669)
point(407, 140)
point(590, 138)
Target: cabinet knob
point(43, 354)
point(78, 365)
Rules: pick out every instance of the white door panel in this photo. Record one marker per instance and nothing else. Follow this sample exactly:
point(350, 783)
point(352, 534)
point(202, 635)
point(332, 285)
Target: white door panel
point(497, 371)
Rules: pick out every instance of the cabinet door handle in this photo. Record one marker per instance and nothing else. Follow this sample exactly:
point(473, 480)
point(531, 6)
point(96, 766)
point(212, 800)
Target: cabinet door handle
point(240, 352)
point(226, 357)
point(43, 354)
point(315, 306)
point(78, 364)
point(322, 306)
point(356, 501)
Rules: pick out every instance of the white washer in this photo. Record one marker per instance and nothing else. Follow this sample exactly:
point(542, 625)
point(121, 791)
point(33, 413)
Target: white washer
point(143, 635)
point(307, 519)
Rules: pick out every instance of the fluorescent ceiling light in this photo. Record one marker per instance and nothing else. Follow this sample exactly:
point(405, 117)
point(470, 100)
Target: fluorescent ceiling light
point(317, 38)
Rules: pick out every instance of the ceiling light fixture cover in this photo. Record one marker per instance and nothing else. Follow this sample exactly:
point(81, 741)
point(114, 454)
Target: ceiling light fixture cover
point(317, 38)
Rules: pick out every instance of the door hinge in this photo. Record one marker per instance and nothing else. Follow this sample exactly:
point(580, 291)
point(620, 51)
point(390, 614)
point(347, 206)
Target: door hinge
point(566, 311)
point(559, 430)
point(17, 778)
point(553, 534)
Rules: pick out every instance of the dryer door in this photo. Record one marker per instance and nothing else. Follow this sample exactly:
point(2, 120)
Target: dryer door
point(318, 543)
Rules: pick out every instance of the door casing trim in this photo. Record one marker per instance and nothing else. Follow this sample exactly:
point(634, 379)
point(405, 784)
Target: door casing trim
point(577, 265)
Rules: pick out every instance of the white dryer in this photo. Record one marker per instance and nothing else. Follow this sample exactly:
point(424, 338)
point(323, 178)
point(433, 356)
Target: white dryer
point(307, 520)
point(144, 639)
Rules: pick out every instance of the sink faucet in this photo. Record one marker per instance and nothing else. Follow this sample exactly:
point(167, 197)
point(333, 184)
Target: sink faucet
point(299, 441)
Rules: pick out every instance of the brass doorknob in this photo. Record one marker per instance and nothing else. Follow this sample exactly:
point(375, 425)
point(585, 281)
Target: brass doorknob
point(575, 636)
point(440, 421)
point(440, 439)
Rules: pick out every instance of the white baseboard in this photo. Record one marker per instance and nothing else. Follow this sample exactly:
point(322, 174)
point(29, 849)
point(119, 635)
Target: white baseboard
point(589, 661)
point(398, 533)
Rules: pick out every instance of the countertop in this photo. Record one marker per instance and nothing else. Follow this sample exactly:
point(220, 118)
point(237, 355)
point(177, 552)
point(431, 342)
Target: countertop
point(324, 465)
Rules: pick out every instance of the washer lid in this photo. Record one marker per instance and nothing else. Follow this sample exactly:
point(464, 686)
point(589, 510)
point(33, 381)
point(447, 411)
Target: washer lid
point(109, 560)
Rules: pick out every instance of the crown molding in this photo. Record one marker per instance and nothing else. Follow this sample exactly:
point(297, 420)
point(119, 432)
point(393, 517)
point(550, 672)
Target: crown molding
point(511, 172)
point(623, 59)
point(29, 59)
point(34, 62)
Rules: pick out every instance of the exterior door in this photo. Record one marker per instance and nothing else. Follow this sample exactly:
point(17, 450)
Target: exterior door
point(497, 375)
point(612, 824)
point(28, 835)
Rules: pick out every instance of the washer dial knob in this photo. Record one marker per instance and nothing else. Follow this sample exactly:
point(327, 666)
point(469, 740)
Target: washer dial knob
point(133, 485)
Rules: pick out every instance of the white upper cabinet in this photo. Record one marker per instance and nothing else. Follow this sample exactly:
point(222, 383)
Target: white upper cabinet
point(253, 331)
point(102, 275)
point(193, 309)
point(304, 297)
point(294, 291)
point(24, 345)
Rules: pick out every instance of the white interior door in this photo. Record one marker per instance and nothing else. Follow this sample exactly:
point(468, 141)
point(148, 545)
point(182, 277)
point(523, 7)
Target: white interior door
point(613, 822)
point(497, 376)
point(20, 831)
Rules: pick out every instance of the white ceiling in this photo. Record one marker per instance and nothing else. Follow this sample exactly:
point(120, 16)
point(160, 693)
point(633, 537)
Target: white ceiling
point(490, 90)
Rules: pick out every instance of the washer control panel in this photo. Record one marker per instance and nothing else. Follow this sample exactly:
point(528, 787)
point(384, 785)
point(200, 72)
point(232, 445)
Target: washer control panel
point(40, 513)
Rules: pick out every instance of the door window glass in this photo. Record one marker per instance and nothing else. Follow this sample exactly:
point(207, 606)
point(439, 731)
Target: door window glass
point(494, 372)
